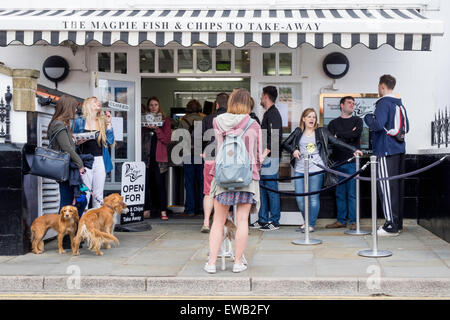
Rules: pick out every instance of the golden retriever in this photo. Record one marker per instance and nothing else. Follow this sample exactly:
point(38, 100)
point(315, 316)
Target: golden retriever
point(64, 223)
point(96, 226)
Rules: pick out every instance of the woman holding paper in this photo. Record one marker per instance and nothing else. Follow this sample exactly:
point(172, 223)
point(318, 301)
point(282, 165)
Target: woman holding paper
point(97, 122)
point(156, 134)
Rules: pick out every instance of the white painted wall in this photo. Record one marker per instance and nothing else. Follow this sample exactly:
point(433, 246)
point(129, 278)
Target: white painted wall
point(423, 78)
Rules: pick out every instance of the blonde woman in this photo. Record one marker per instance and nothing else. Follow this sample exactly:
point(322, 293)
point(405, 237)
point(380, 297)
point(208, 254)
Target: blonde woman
point(96, 121)
point(311, 139)
point(246, 198)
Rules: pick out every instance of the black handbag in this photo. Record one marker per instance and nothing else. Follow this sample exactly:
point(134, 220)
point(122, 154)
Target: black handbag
point(51, 164)
point(329, 179)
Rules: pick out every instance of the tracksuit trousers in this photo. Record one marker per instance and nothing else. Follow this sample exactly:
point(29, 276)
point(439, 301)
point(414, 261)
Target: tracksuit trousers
point(391, 192)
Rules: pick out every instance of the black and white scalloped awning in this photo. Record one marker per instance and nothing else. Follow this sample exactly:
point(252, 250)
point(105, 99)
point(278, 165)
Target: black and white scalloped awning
point(403, 29)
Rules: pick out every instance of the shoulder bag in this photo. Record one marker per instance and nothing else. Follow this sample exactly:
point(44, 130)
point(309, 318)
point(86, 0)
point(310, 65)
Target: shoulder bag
point(329, 179)
point(51, 164)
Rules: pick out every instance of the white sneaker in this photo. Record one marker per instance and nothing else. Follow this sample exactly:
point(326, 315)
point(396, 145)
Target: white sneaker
point(311, 229)
point(383, 233)
point(209, 268)
point(239, 267)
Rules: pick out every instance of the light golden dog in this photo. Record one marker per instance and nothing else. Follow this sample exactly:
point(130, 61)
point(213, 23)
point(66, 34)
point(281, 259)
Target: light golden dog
point(96, 226)
point(64, 223)
point(229, 234)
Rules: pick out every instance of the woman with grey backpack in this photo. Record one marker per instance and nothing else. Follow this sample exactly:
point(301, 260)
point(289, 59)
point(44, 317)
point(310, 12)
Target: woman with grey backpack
point(241, 190)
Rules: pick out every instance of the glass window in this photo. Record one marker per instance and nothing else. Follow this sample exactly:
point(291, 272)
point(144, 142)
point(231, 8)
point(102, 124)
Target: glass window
point(204, 61)
point(269, 67)
point(242, 61)
point(185, 61)
point(147, 60)
point(104, 62)
point(118, 171)
point(285, 64)
point(120, 62)
point(165, 60)
point(121, 149)
point(223, 60)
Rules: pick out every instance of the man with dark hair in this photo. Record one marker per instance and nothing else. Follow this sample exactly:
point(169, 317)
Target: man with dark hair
point(207, 125)
point(390, 153)
point(347, 128)
point(272, 125)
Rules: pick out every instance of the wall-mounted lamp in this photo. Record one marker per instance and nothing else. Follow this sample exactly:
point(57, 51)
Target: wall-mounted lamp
point(55, 69)
point(335, 65)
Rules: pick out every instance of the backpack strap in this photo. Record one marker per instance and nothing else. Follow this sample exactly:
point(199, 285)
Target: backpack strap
point(249, 123)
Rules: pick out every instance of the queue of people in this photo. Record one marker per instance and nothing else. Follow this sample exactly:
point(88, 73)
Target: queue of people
point(233, 115)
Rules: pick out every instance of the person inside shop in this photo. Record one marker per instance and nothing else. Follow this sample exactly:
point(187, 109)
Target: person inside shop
point(156, 133)
point(207, 125)
point(246, 198)
point(97, 122)
point(306, 139)
point(270, 211)
point(347, 128)
point(192, 163)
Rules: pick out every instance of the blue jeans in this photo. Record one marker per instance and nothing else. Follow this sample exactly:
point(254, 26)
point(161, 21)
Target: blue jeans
point(66, 198)
point(346, 196)
point(315, 183)
point(194, 199)
point(270, 201)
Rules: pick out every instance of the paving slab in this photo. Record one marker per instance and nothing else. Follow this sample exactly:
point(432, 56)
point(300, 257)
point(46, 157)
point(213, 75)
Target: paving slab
point(169, 259)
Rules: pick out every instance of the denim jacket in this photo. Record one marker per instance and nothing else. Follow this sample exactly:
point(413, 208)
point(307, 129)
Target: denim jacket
point(78, 127)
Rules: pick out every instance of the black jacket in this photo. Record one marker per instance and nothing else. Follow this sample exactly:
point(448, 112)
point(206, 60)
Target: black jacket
point(272, 121)
point(323, 139)
point(207, 123)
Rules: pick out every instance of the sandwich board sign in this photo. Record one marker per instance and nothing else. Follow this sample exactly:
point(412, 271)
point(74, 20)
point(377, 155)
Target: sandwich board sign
point(133, 191)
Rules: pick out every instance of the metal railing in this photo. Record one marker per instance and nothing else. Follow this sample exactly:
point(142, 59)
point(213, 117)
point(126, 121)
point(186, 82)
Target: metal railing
point(439, 129)
point(5, 119)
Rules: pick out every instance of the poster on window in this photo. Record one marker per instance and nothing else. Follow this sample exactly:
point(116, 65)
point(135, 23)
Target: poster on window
point(133, 191)
point(364, 104)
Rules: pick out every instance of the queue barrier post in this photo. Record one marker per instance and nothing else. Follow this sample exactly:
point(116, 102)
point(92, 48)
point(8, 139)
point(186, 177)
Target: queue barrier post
point(374, 252)
point(358, 231)
point(307, 240)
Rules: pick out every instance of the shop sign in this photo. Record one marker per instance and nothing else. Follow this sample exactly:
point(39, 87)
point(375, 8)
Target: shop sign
point(118, 106)
point(133, 191)
point(171, 24)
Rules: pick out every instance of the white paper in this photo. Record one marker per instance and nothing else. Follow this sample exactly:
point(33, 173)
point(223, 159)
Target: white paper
point(117, 124)
point(283, 108)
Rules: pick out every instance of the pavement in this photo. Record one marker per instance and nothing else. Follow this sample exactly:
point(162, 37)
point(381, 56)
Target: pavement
point(167, 262)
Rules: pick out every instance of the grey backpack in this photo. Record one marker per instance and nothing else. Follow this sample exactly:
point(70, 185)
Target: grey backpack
point(233, 167)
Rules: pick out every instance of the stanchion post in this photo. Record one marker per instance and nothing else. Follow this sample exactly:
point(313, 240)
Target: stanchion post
point(374, 253)
point(307, 240)
point(358, 231)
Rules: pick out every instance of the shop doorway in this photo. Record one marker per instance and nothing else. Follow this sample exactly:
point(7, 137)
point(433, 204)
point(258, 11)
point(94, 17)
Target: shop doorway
point(177, 92)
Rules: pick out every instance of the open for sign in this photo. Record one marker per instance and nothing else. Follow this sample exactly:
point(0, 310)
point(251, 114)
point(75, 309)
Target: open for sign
point(133, 191)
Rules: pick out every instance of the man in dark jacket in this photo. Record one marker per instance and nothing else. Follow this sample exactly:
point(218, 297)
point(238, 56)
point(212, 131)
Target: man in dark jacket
point(390, 154)
point(271, 125)
point(208, 135)
point(347, 128)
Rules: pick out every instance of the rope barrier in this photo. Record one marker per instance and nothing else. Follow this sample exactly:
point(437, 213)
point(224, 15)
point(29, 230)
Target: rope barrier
point(317, 191)
point(401, 176)
point(312, 174)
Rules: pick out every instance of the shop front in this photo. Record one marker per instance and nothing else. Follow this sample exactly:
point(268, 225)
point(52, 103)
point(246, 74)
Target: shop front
point(123, 57)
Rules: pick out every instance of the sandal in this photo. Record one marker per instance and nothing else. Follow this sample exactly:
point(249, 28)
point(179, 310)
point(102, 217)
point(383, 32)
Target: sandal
point(164, 218)
point(146, 214)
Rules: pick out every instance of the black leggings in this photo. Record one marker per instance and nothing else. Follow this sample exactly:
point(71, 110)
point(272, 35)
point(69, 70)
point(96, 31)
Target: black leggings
point(155, 189)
